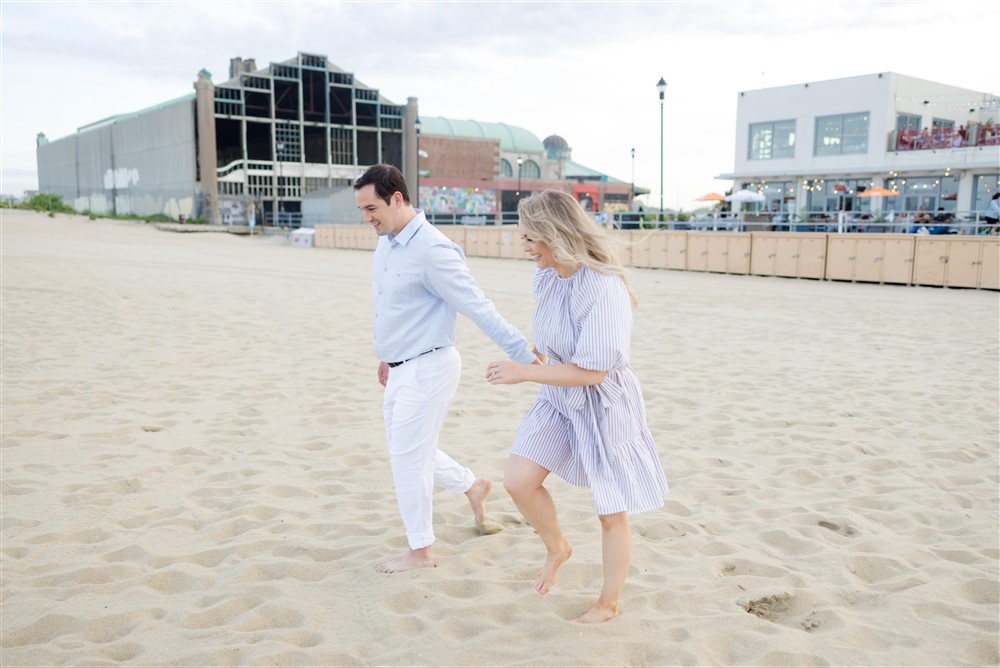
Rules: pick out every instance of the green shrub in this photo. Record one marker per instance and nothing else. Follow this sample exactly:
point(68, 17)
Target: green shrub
point(43, 202)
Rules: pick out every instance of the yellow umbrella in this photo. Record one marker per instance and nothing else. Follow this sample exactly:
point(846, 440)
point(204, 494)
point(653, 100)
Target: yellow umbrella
point(711, 197)
point(878, 192)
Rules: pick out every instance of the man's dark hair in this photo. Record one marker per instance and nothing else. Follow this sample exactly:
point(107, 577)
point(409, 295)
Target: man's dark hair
point(386, 179)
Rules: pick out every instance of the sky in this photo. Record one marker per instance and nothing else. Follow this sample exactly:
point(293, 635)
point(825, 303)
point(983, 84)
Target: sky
point(586, 71)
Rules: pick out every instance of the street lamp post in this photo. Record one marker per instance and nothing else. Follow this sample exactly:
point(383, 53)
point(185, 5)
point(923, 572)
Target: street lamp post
point(632, 185)
point(661, 86)
point(280, 146)
point(520, 160)
point(416, 126)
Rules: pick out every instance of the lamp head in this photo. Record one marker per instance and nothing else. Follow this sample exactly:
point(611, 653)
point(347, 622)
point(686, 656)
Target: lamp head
point(661, 86)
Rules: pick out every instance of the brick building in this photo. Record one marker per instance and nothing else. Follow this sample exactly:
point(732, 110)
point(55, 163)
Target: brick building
point(475, 172)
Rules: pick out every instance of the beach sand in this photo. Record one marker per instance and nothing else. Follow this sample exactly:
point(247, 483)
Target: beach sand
point(194, 470)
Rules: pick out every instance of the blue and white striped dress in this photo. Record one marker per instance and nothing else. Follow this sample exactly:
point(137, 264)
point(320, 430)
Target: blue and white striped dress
point(595, 435)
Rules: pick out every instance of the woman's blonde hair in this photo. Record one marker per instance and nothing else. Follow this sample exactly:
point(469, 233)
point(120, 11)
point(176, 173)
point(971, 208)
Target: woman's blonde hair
point(558, 220)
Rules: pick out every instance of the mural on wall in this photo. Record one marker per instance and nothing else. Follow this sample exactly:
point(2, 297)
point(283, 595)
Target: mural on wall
point(458, 200)
point(232, 212)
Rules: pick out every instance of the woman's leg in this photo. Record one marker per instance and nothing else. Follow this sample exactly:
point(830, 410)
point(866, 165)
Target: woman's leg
point(616, 549)
point(524, 480)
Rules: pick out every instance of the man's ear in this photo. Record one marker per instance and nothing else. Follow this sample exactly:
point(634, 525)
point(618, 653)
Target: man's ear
point(397, 199)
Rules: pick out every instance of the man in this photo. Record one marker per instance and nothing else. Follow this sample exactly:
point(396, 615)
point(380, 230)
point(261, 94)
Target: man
point(420, 281)
point(943, 220)
point(920, 219)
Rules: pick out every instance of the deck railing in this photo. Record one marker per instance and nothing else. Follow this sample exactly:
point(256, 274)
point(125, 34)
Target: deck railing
point(941, 138)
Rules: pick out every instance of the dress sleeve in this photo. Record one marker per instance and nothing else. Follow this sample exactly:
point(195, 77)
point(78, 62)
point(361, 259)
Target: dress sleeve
point(605, 323)
point(537, 282)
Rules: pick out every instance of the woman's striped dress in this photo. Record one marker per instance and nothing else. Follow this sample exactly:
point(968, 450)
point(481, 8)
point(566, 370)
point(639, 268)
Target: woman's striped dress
point(595, 435)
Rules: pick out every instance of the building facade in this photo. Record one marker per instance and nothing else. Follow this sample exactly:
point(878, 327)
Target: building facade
point(143, 163)
point(254, 144)
point(813, 149)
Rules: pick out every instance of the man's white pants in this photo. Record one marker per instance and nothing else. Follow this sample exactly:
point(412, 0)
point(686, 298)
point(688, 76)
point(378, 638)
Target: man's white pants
point(417, 397)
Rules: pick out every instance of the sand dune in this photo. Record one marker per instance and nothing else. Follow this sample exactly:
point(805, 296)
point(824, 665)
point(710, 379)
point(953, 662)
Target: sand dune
point(194, 471)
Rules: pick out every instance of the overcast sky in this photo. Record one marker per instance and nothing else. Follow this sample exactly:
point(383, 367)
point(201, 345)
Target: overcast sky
point(584, 70)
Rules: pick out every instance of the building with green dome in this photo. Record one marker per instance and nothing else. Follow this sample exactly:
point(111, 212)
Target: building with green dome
point(475, 172)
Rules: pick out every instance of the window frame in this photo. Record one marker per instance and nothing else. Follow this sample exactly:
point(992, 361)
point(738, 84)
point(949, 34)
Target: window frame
point(773, 150)
point(903, 114)
point(841, 137)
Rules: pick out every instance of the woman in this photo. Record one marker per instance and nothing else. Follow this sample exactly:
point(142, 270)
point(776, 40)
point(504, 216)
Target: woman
point(589, 423)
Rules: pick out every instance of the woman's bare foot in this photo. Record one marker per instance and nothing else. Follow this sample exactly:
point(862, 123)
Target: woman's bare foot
point(477, 499)
point(546, 580)
point(411, 560)
point(599, 613)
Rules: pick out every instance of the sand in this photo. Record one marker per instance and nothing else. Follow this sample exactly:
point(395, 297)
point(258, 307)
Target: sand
point(194, 470)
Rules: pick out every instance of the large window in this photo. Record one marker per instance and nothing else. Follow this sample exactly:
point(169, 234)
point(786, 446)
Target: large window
point(530, 170)
point(907, 123)
point(932, 192)
point(986, 185)
point(837, 195)
point(841, 134)
point(779, 196)
point(505, 169)
point(772, 140)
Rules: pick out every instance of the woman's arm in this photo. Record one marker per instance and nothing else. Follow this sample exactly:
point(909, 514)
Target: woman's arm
point(506, 372)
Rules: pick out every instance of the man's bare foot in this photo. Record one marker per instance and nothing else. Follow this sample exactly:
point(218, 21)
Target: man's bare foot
point(546, 580)
point(411, 560)
point(477, 499)
point(599, 613)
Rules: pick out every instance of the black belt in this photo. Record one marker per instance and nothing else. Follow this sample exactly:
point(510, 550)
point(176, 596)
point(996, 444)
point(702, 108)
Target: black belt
point(393, 365)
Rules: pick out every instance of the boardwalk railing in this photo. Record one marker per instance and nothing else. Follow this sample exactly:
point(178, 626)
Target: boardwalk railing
point(906, 259)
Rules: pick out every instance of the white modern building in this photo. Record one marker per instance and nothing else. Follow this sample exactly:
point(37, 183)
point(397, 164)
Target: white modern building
point(814, 148)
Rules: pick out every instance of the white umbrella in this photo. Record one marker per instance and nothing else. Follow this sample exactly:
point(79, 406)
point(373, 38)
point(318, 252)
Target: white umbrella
point(745, 196)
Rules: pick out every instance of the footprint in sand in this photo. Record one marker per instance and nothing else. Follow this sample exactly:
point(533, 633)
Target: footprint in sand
point(488, 526)
point(497, 523)
point(843, 530)
point(792, 611)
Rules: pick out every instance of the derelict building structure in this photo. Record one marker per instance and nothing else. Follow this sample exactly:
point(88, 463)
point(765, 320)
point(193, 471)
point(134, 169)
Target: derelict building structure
point(253, 145)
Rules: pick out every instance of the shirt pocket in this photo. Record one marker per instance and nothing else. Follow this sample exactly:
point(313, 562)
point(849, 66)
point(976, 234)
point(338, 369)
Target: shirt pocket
point(409, 286)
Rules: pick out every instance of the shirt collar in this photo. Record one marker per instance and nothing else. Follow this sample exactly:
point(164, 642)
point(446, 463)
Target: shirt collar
point(409, 230)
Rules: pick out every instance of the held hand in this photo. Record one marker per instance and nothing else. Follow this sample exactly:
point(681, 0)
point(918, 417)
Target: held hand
point(383, 373)
point(539, 358)
point(505, 373)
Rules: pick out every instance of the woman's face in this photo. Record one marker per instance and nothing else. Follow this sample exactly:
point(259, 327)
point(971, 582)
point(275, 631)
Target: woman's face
point(538, 250)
